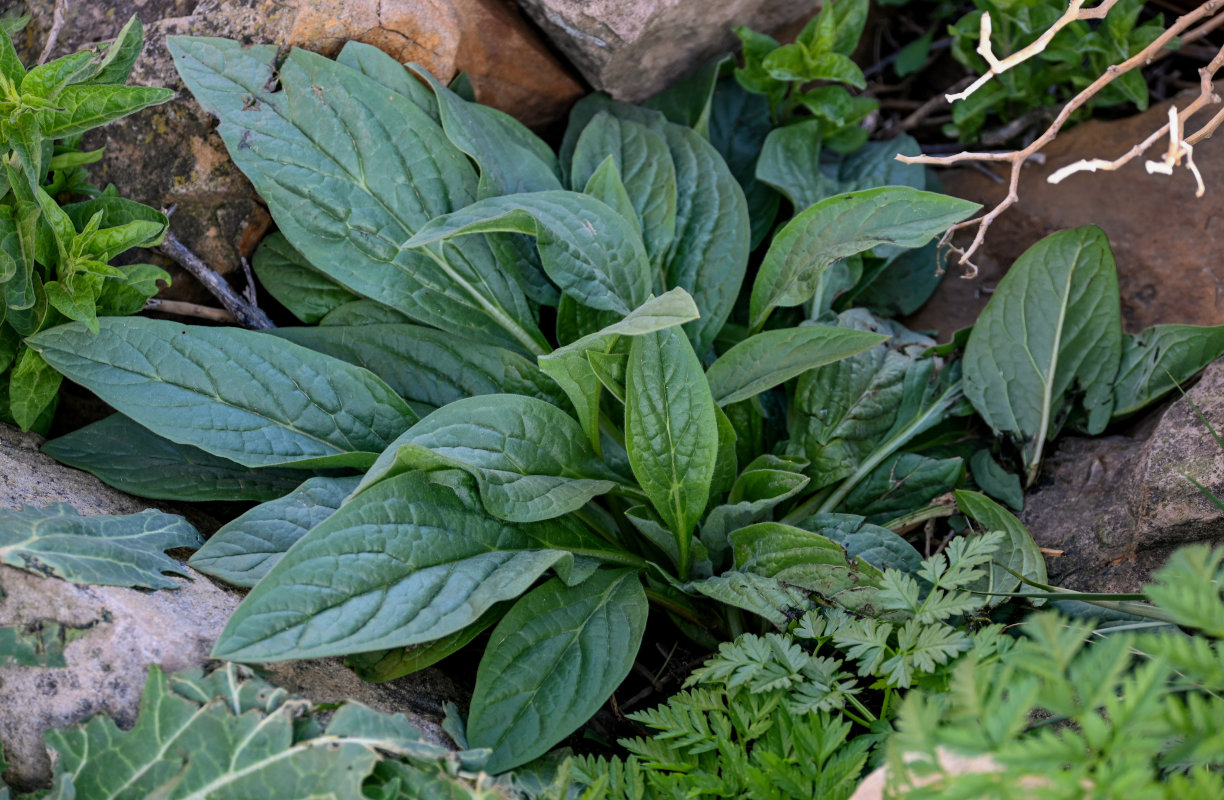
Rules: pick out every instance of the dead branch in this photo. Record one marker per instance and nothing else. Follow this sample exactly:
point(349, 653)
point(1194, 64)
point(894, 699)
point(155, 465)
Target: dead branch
point(182, 309)
point(1074, 13)
point(245, 313)
point(57, 25)
point(1017, 158)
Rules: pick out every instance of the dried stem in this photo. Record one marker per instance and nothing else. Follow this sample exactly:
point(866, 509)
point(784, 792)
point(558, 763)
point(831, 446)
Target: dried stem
point(57, 25)
point(246, 314)
point(181, 309)
point(1017, 158)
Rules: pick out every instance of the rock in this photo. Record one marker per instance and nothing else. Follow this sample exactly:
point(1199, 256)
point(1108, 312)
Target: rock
point(1166, 241)
point(170, 156)
point(633, 48)
point(115, 633)
point(1118, 505)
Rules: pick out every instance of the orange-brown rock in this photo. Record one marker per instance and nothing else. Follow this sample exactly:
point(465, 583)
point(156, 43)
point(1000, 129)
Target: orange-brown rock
point(1168, 243)
point(510, 67)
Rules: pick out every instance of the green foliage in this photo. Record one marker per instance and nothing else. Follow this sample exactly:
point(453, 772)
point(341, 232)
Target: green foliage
point(1131, 714)
point(804, 76)
point(228, 734)
point(55, 258)
point(559, 406)
point(108, 550)
point(1075, 57)
point(772, 716)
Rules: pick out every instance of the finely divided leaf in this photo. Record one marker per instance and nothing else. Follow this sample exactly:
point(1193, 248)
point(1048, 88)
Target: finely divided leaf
point(1052, 328)
point(586, 248)
point(530, 458)
point(241, 395)
point(671, 432)
point(770, 358)
point(552, 662)
point(403, 562)
point(244, 550)
point(106, 550)
point(842, 226)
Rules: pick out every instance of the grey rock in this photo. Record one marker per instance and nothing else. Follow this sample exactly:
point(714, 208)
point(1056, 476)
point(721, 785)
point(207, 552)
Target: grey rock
point(633, 48)
point(118, 632)
point(1118, 505)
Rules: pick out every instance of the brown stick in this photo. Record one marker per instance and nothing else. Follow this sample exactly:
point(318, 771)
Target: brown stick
point(1017, 158)
point(181, 309)
point(57, 25)
point(246, 314)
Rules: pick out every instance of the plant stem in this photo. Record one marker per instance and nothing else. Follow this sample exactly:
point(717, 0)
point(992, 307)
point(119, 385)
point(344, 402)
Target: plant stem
point(907, 522)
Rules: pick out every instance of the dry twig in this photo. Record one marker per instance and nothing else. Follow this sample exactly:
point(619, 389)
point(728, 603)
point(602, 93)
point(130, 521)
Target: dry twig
point(57, 25)
point(246, 314)
point(1146, 56)
point(182, 309)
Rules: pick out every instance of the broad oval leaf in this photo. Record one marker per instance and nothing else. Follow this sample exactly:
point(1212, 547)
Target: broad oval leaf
point(529, 458)
point(878, 546)
point(427, 367)
point(137, 461)
point(1052, 327)
point(282, 271)
point(241, 395)
point(800, 558)
point(647, 173)
point(552, 662)
point(709, 255)
point(404, 562)
point(770, 358)
point(588, 249)
point(243, 550)
point(842, 226)
point(1157, 360)
point(671, 431)
point(124, 550)
point(378, 167)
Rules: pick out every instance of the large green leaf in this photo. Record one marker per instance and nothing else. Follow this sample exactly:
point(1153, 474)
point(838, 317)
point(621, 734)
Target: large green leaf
point(1159, 359)
point(902, 483)
point(383, 69)
point(307, 293)
point(790, 162)
point(671, 431)
point(739, 123)
point(510, 157)
point(644, 164)
point(709, 255)
point(427, 367)
point(878, 546)
point(405, 561)
point(1052, 328)
point(107, 550)
point(40, 644)
point(777, 601)
point(135, 460)
point(764, 483)
point(241, 395)
point(848, 416)
point(552, 662)
point(242, 551)
point(378, 167)
point(842, 226)
point(529, 458)
point(572, 370)
point(770, 358)
point(586, 248)
point(82, 108)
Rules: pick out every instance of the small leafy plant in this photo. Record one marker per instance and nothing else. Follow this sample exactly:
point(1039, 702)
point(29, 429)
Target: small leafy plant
point(1075, 57)
point(545, 395)
point(55, 259)
point(807, 78)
